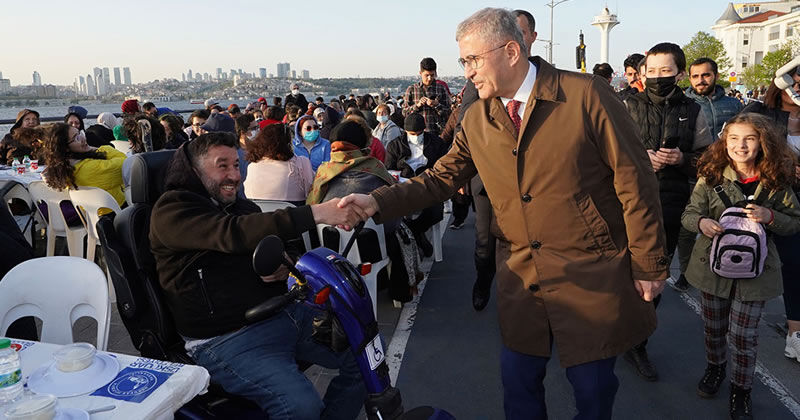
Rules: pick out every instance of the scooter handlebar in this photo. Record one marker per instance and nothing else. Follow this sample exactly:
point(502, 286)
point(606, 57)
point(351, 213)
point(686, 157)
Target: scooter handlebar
point(270, 307)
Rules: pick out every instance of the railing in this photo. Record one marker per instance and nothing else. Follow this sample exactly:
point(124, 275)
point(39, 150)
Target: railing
point(59, 119)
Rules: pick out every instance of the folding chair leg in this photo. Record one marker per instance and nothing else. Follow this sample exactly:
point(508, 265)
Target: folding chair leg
point(91, 247)
point(51, 242)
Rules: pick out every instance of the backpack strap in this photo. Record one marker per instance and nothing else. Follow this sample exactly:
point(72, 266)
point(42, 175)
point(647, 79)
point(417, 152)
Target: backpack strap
point(724, 197)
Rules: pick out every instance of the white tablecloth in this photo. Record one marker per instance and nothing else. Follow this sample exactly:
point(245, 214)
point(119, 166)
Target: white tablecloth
point(180, 388)
point(25, 179)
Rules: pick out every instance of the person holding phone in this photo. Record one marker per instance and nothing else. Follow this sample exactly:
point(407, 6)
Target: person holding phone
point(428, 98)
point(675, 133)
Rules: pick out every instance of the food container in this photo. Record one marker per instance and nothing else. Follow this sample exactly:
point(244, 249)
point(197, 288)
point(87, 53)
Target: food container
point(33, 407)
point(35, 165)
point(74, 357)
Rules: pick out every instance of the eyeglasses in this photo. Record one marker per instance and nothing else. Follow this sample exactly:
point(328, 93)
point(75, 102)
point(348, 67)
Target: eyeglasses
point(476, 61)
point(312, 128)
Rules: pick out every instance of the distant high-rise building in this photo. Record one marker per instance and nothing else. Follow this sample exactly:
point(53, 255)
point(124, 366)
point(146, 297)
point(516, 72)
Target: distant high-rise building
point(126, 75)
point(117, 77)
point(198, 77)
point(283, 70)
point(1, 74)
point(271, 75)
point(236, 80)
point(219, 73)
point(91, 89)
point(5, 85)
point(224, 76)
point(102, 87)
point(294, 74)
point(189, 75)
point(107, 78)
point(37, 79)
point(206, 77)
point(183, 77)
point(306, 74)
point(82, 85)
point(262, 72)
point(97, 73)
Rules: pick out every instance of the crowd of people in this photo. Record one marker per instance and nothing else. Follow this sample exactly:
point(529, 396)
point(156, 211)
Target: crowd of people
point(568, 214)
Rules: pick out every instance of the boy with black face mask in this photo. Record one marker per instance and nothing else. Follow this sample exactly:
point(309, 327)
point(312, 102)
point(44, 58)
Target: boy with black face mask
point(675, 133)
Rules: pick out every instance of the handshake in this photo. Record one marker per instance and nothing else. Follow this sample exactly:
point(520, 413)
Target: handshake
point(345, 212)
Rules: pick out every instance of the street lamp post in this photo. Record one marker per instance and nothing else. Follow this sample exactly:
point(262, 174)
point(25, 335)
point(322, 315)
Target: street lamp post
point(552, 5)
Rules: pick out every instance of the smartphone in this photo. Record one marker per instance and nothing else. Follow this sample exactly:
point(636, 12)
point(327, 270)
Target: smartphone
point(670, 142)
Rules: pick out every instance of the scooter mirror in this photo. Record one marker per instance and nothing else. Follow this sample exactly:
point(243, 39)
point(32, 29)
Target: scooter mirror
point(268, 255)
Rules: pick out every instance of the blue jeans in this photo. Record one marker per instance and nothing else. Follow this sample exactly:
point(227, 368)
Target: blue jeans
point(594, 386)
point(258, 362)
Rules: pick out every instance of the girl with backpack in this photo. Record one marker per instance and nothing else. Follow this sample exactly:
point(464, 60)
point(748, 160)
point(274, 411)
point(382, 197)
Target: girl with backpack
point(747, 175)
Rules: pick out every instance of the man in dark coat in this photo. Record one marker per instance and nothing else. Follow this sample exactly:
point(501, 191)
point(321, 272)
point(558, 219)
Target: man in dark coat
point(296, 98)
point(203, 237)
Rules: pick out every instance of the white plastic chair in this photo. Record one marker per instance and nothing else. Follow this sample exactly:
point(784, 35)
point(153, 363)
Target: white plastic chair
point(123, 146)
point(59, 291)
point(354, 257)
point(56, 224)
point(89, 201)
point(272, 205)
point(438, 230)
point(25, 222)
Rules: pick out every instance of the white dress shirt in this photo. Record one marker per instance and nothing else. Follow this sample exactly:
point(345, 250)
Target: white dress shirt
point(524, 91)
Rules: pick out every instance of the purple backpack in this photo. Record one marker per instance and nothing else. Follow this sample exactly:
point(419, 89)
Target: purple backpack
point(739, 252)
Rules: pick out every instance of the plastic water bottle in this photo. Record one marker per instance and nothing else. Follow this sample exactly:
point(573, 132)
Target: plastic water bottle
point(27, 162)
point(15, 164)
point(10, 373)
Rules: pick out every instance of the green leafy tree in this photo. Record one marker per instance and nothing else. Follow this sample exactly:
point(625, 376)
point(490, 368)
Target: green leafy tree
point(761, 74)
point(704, 44)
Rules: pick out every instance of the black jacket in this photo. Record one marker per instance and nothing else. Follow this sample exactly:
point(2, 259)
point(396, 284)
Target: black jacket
point(670, 122)
point(99, 135)
point(203, 252)
point(398, 151)
point(299, 100)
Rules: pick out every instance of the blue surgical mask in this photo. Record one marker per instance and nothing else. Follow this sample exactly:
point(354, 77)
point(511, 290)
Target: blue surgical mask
point(311, 136)
point(383, 119)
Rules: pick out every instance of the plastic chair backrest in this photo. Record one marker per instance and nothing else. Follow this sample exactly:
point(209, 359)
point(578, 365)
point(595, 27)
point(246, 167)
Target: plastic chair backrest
point(41, 193)
point(123, 146)
point(355, 253)
point(92, 200)
point(59, 291)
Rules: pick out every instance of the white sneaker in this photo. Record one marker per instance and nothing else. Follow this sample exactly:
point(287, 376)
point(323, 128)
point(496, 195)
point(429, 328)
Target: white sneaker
point(793, 346)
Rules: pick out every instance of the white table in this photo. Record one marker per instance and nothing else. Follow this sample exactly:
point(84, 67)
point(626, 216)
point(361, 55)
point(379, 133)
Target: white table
point(24, 179)
point(183, 385)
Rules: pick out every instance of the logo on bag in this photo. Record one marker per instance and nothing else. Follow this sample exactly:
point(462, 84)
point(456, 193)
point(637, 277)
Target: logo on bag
point(133, 383)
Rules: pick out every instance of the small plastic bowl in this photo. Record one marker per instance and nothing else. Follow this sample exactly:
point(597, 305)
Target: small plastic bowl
point(33, 407)
point(74, 357)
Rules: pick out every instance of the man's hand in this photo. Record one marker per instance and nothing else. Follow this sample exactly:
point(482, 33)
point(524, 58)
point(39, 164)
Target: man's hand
point(365, 205)
point(648, 290)
point(331, 213)
point(281, 274)
point(657, 162)
point(422, 102)
point(670, 156)
point(710, 227)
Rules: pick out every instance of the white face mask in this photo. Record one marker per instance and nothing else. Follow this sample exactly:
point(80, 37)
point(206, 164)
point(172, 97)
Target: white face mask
point(252, 134)
point(416, 139)
point(295, 91)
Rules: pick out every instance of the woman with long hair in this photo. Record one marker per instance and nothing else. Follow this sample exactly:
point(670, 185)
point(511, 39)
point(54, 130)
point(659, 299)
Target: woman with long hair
point(780, 108)
point(274, 171)
point(751, 165)
point(72, 163)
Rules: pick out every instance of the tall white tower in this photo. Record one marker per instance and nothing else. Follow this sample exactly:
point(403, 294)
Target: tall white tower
point(605, 21)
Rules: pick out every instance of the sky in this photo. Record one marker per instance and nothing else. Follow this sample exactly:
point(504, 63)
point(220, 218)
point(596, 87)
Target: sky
point(160, 39)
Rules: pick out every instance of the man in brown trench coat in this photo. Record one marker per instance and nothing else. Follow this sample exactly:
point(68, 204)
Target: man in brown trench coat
point(577, 203)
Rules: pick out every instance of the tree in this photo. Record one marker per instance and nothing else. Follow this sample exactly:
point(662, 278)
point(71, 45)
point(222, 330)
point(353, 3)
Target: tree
point(761, 74)
point(704, 44)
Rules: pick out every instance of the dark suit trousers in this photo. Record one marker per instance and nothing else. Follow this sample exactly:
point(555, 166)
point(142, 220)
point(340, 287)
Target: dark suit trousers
point(594, 385)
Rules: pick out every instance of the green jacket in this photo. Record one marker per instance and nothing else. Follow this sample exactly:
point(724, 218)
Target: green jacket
point(706, 203)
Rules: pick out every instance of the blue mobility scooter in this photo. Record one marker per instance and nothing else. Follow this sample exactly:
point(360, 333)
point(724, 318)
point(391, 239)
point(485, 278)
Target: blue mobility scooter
point(329, 282)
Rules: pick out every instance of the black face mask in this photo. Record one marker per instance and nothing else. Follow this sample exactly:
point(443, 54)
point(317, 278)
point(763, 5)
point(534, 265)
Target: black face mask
point(660, 86)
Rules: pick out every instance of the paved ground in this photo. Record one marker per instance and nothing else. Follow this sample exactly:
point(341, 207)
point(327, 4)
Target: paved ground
point(451, 359)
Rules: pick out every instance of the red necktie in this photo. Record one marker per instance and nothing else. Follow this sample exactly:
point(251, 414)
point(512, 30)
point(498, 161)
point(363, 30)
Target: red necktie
point(513, 111)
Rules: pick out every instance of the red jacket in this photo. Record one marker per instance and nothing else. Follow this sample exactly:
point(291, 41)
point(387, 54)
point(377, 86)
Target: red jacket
point(377, 150)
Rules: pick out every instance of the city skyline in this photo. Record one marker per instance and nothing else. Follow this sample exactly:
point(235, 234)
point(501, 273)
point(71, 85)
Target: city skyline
point(383, 48)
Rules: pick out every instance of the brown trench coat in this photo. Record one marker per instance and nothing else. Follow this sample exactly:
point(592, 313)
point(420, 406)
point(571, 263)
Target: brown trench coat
point(577, 202)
